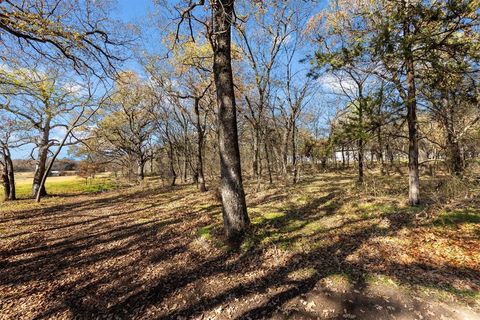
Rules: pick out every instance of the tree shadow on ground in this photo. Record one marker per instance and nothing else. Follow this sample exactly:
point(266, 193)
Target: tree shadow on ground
point(148, 262)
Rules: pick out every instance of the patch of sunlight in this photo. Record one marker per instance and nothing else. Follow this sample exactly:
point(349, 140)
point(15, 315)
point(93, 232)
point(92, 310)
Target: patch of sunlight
point(448, 292)
point(205, 232)
point(338, 282)
point(294, 225)
point(274, 215)
point(303, 199)
point(313, 227)
point(302, 274)
point(257, 217)
point(64, 185)
point(366, 210)
point(380, 279)
point(465, 216)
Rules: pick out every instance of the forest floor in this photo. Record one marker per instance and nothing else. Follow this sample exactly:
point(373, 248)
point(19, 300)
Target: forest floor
point(320, 249)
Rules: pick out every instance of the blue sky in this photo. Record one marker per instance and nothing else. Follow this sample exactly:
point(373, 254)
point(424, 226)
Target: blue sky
point(128, 11)
point(146, 14)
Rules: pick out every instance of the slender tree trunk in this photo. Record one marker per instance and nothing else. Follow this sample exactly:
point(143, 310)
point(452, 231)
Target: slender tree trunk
point(141, 170)
point(6, 183)
point(185, 155)
point(361, 154)
point(269, 166)
point(235, 216)
point(285, 152)
point(361, 144)
point(171, 159)
point(256, 155)
point(294, 155)
point(200, 175)
point(413, 171)
point(10, 176)
point(380, 156)
point(348, 157)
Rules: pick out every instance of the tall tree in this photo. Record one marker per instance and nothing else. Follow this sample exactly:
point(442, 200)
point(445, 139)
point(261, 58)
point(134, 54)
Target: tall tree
point(218, 32)
point(128, 123)
point(235, 216)
point(405, 40)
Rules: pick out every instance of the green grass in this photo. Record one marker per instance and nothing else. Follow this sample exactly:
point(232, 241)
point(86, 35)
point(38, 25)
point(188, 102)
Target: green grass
point(465, 216)
point(205, 232)
point(61, 185)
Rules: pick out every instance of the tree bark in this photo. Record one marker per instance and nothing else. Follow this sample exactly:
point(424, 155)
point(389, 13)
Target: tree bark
point(6, 183)
point(172, 165)
point(294, 155)
point(285, 151)
point(411, 104)
point(267, 158)
point(455, 159)
point(235, 216)
point(141, 170)
point(200, 176)
point(40, 169)
point(361, 154)
point(10, 176)
point(380, 156)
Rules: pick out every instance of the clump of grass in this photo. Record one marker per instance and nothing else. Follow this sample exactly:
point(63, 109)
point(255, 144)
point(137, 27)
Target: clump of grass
point(451, 188)
point(205, 232)
point(379, 279)
point(466, 216)
point(302, 274)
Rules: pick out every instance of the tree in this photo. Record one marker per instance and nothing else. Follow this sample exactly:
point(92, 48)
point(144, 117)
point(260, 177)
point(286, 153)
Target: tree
point(405, 40)
point(262, 37)
point(127, 124)
point(235, 216)
point(8, 140)
point(190, 79)
point(45, 104)
point(234, 206)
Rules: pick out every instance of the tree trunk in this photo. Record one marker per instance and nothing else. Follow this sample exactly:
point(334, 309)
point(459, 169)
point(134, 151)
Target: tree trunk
point(257, 165)
point(380, 156)
point(6, 183)
point(294, 155)
point(185, 169)
point(348, 157)
point(455, 159)
point(285, 152)
point(10, 176)
point(361, 152)
point(256, 155)
point(40, 170)
point(267, 158)
point(199, 175)
point(141, 170)
point(235, 216)
point(172, 165)
point(411, 103)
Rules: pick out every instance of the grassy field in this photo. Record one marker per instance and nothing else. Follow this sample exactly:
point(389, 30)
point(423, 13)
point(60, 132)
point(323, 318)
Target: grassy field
point(65, 185)
point(324, 248)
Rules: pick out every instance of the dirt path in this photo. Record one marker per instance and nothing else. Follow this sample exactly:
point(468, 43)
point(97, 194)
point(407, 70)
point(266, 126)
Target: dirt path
point(155, 254)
